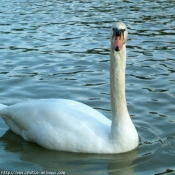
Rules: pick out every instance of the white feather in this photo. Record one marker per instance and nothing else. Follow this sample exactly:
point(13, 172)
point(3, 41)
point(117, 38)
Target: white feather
point(67, 125)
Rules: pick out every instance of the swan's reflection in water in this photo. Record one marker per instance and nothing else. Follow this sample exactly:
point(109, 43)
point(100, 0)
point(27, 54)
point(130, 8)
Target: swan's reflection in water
point(70, 163)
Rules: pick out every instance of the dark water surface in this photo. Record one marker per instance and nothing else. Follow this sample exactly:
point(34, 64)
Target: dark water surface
point(60, 49)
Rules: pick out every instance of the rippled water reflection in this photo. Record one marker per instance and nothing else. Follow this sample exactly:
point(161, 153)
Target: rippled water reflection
point(60, 49)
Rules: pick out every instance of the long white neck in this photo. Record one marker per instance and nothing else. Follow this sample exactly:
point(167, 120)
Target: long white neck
point(117, 87)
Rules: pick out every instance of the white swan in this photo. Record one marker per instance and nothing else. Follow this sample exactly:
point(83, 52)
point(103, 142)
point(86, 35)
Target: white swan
point(67, 125)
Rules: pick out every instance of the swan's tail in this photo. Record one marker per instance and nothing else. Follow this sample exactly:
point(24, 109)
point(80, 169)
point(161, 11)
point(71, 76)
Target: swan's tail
point(2, 106)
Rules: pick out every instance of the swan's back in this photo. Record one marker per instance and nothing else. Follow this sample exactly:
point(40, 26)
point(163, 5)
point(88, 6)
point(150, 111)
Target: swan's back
point(58, 124)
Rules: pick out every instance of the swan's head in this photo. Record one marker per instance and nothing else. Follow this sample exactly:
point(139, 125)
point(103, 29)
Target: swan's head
point(118, 35)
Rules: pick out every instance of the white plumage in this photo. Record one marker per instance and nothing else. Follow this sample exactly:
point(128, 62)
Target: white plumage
point(67, 125)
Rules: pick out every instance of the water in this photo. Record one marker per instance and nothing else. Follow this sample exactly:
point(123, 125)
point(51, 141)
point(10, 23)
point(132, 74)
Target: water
point(60, 49)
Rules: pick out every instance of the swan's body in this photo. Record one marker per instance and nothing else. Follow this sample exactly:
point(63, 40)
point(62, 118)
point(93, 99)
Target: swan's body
point(67, 125)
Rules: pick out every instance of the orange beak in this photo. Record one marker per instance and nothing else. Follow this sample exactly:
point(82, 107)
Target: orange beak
point(118, 42)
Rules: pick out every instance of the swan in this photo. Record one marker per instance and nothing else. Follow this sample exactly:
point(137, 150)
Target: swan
point(67, 125)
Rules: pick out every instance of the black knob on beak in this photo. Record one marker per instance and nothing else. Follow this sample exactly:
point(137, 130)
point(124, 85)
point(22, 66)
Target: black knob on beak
point(117, 32)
